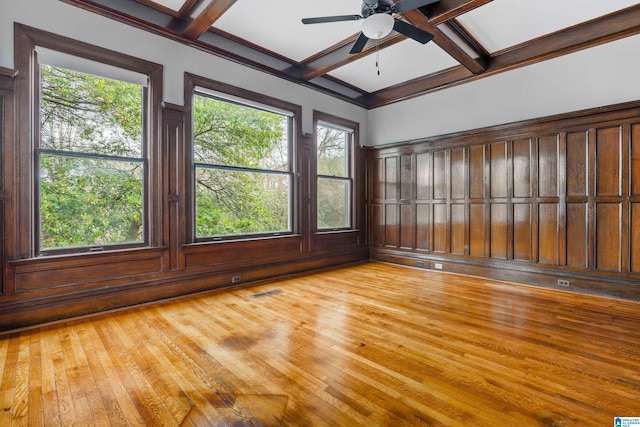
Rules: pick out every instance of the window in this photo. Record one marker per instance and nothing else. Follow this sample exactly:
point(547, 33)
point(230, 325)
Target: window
point(334, 152)
point(243, 174)
point(90, 157)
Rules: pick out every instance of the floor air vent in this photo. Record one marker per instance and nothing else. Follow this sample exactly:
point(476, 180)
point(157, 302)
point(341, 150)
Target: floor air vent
point(266, 293)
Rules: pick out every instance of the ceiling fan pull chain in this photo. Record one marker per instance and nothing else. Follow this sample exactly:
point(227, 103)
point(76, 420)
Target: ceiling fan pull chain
point(377, 58)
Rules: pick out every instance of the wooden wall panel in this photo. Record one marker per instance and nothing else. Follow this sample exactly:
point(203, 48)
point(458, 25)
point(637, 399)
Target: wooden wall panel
point(423, 176)
point(548, 166)
point(457, 173)
point(423, 227)
point(476, 171)
point(377, 224)
point(577, 235)
point(406, 177)
point(457, 228)
point(608, 216)
point(635, 237)
point(391, 178)
point(522, 231)
point(477, 230)
point(440, 175)
point(407, 233)
point(498, 165)
point(562, 196)
point(577, 164)
point(635, 160)
point(522, 168)
point(440, 228)
point(377, 179)
point(608, 162)
point(498, 231)
point(548, 233)
point(391, 225)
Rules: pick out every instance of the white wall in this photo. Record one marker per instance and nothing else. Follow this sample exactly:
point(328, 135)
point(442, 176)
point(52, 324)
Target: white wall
point(603, 75)
point(70, 21)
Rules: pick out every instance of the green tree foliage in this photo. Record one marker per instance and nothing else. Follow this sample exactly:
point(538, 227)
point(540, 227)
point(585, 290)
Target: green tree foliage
point(232, 201)
point(333, 187)
point(86, 199)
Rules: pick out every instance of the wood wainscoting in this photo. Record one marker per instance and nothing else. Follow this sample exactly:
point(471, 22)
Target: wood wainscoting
point(369, 345)
point(551, 199)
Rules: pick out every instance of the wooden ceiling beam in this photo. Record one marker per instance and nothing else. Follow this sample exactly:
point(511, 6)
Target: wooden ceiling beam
point(611, 27)
point(338, 55)
point(475, 63)
point(214, 10)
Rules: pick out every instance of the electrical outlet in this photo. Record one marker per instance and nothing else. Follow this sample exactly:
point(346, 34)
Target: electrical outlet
point(564, 283)
point(235, 279)
point(437, 266)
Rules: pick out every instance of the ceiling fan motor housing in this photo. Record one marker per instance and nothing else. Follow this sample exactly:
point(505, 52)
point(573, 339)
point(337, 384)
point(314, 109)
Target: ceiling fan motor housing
point(370, 7)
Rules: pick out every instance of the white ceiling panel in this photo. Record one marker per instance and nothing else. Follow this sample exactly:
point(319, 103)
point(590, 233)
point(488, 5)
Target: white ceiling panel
point(276, 24)
point(170, 4)
point(504, 23)
point(403, 61)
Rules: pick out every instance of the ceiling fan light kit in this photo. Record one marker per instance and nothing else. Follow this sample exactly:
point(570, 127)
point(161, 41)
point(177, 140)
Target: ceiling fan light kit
point(379, 21)
point(377, 26)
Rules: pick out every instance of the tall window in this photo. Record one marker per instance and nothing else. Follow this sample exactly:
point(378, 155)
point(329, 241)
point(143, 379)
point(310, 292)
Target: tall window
point(90, 159)
point(334, 150)
point(242, 169)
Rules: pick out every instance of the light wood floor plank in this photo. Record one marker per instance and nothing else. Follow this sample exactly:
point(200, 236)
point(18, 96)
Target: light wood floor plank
point(371, 345)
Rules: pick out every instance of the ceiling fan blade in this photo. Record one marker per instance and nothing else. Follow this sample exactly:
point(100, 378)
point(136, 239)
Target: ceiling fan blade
point(338, 18)
point(404, 5)
point(412, 32)
point(359, 44)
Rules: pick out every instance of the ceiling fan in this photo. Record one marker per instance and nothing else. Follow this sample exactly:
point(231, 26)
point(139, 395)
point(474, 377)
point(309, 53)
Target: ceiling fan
point(379, 21)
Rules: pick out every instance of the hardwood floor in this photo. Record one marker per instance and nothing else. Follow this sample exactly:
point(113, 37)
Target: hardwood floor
point(374, 345)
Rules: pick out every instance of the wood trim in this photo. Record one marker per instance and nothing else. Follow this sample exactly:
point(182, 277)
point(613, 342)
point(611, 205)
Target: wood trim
point(214, 10)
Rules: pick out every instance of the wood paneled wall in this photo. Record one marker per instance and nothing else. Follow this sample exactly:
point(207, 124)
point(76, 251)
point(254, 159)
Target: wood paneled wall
point(537, 201)
point(45, 288)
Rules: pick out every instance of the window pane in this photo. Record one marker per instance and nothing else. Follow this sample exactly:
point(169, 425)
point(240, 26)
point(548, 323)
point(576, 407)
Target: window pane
point(333, 203)
point(241, 202)
point(88, 202)
point(332, 151)
point(229, 134)
point(85, 113)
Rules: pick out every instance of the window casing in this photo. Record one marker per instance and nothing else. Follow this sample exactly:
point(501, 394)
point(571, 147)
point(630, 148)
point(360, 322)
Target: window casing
point(88, 167)
point(243, 177)
point(334, 165)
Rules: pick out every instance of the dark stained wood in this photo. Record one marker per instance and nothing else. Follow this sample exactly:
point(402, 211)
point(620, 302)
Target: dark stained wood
point(393, 346)
point(407, 231)
point(458, 166)
point(477, 228)
point(635, 160)
point(577, 233)
point(424, 189)
point(458, 227)
point(391, 178)
point(522, 231)
point(440, 228)
point(522, 168)
point(392, 225)
point(608, 216)
point(445, 10)
point(407, 180)
point(377, 224)
point(498, 227)
point(214, 10)
point(423, 227)
point(378, 181)
point(531, 204)
point(577, 164)
point(498, 166)
point(548, 166)
point(476, 171)
point(440, 175)
point(608, 159)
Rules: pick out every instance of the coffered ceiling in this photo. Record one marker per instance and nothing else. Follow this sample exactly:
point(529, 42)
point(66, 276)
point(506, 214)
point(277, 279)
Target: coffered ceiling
point(472, 39)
